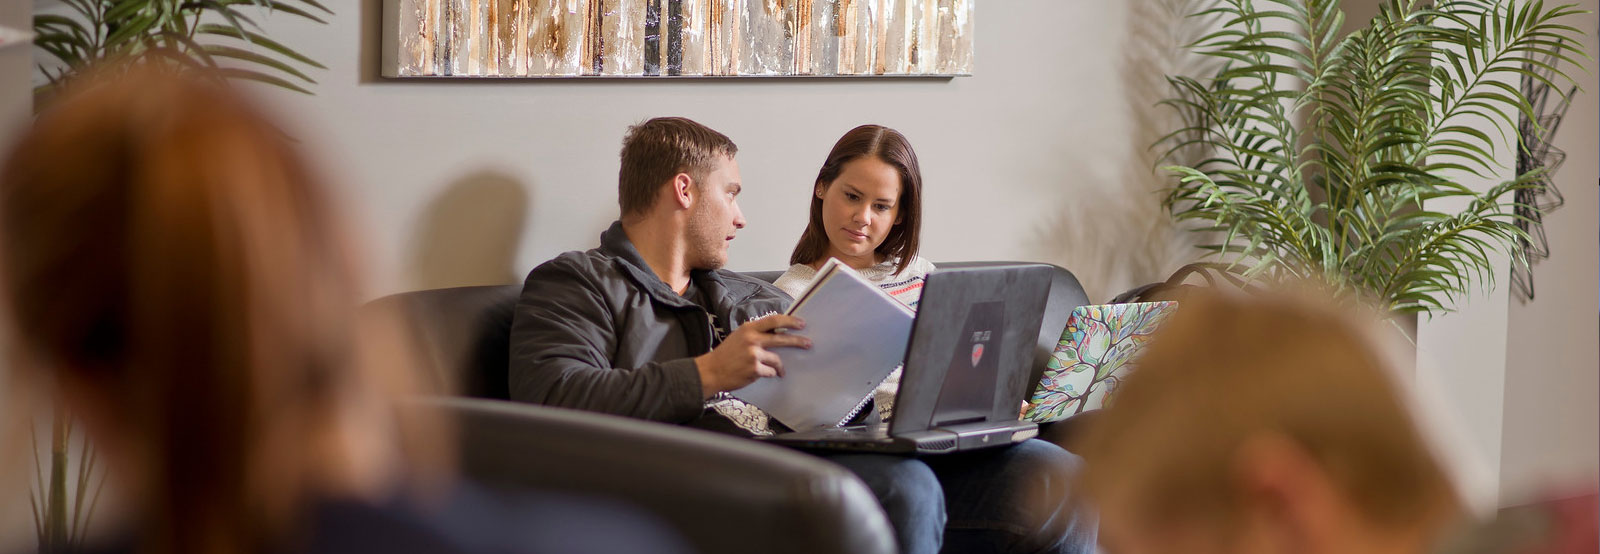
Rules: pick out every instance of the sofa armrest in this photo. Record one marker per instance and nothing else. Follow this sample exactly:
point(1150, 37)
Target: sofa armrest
point(724, 494)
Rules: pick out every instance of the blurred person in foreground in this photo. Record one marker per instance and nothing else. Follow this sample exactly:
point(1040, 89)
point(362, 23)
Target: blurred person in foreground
point(174, 271)
point(1263, 424)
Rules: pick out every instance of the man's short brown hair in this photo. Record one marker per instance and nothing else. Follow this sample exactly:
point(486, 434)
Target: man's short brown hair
point(657, 150)
point(1227, 369)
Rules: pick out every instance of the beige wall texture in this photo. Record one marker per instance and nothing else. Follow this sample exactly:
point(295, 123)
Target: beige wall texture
point(1551, 437)
point(1041, 155)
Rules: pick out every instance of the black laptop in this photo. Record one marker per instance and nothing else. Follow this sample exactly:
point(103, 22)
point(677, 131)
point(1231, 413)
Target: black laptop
point(966, 367)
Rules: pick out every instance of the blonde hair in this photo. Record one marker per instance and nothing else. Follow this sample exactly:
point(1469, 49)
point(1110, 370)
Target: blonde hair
point(163, 243)
point(1227, 369)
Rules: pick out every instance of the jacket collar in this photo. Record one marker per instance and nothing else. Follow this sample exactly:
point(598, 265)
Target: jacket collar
point(614, 242)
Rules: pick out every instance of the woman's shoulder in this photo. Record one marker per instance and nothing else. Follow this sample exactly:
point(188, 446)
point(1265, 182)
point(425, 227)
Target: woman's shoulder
point(795, 279)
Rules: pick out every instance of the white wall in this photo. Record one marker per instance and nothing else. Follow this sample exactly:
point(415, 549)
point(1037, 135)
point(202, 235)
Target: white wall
point(1041, 155)
point(1552, 386)
point(1462, 354)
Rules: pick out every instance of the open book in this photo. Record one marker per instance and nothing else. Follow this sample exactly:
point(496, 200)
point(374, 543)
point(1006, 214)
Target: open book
point(858, 336)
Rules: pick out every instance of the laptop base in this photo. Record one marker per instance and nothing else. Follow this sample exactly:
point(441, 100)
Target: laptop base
point(876, 438)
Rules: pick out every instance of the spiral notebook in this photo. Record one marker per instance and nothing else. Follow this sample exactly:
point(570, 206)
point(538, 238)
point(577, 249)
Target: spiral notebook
point(858, 335)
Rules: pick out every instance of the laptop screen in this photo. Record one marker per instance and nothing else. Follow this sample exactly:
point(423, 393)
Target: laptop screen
point(968, 392)
point(971, 346)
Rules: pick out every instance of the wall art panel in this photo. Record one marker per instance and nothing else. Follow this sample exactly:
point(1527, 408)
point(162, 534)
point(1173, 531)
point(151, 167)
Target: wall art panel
point(676, 38)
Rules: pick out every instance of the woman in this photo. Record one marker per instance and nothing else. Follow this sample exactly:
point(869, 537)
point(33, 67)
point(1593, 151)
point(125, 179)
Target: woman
point(866, 208)
point(171, 268)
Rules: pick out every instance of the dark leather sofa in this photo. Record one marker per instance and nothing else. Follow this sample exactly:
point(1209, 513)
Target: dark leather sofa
point(724, 494)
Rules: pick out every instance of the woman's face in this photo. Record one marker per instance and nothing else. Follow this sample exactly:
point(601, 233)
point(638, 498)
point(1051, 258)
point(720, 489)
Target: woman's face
point(858, 210)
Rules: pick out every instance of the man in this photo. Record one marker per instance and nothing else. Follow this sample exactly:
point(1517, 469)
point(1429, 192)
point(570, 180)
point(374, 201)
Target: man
point(649, 326)
point(1266, 423)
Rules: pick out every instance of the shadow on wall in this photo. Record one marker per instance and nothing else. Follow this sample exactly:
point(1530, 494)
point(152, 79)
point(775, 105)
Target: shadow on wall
point(369, 55)
point(470, 233)
point(1112, 232)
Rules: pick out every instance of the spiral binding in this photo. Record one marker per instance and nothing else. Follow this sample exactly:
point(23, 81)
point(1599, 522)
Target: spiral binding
point(857, 409)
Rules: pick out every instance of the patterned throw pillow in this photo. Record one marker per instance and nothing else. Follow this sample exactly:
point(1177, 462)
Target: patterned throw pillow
point(1096, 351)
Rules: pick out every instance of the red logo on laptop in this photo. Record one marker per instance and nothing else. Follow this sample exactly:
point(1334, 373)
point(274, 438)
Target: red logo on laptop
point(977, 354)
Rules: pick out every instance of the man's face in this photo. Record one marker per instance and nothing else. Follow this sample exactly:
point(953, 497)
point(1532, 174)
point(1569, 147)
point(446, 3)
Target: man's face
point(714, 217)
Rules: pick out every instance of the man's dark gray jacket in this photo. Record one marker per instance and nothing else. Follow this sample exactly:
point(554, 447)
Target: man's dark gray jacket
point(598, 331)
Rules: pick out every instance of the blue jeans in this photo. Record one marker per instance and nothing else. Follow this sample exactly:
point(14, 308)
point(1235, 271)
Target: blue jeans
point(1010, 499)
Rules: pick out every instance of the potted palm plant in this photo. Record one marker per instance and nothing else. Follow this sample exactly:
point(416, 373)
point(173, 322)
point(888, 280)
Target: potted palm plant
point(1328, 154)
point(219, 36)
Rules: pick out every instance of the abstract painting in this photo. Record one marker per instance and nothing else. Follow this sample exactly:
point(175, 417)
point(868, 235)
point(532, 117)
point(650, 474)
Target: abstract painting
point(676, 38)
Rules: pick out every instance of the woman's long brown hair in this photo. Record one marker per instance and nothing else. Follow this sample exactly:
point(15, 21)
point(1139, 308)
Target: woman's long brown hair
point(891, 147)
point(163, 244)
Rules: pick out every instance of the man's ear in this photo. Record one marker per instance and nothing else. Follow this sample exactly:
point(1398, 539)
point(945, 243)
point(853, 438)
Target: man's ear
point(683, 190)
point(1280, 480)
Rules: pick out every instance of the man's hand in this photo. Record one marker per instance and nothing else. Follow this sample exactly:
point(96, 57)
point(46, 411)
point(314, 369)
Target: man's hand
point(746, 354)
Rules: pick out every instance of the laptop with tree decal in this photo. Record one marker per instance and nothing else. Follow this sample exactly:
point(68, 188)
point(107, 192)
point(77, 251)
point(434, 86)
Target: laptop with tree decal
point(1097, 349)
